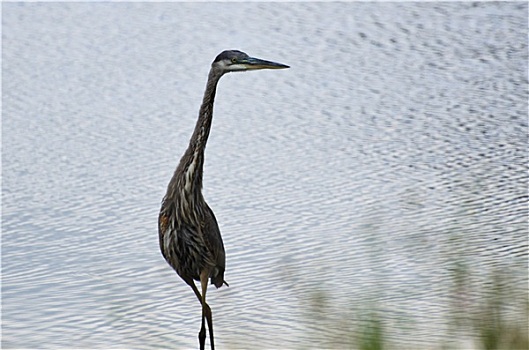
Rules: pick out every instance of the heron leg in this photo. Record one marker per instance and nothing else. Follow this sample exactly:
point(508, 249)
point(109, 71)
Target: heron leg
point(206, 310)
point(190, 282)
point(202, 333)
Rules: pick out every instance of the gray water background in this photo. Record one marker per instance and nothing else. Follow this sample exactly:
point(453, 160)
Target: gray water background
point(390, 154)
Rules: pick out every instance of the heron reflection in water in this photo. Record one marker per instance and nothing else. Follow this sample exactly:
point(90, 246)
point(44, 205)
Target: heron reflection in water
point(189, 235)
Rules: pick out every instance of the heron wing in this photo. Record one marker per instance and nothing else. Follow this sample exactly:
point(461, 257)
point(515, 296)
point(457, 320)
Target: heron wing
point(213, 241)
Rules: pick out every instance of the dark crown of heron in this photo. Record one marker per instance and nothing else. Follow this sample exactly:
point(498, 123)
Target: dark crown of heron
point(230, 55)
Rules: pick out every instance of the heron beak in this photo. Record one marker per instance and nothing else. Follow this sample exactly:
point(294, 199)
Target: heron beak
point(252, 63)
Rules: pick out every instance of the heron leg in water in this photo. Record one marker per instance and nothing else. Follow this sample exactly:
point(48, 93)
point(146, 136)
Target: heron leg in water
point(206, 310)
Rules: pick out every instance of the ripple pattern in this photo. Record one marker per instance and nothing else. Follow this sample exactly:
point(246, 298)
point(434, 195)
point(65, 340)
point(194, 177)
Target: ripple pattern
point(388, 162)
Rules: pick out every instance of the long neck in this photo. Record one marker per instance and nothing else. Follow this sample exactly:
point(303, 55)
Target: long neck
point(198, 141)
point(192, 163)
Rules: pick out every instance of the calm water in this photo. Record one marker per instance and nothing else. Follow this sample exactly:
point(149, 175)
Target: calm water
point(386, 170)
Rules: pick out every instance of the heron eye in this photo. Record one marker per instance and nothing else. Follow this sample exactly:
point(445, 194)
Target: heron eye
point(233, 60)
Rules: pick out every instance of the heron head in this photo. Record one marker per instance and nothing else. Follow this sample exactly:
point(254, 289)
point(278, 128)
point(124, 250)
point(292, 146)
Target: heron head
point(237, 61)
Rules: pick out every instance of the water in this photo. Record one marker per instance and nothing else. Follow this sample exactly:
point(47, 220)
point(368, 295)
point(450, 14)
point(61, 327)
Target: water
point(389, 157)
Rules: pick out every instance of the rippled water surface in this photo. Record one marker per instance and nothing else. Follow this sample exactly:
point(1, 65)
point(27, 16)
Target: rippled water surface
point(386, 170)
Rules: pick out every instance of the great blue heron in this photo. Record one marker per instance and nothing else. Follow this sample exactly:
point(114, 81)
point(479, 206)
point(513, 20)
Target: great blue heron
point(189, 235)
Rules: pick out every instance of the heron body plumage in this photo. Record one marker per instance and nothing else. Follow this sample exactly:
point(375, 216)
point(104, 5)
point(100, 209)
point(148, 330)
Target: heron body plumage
point(189, 234)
